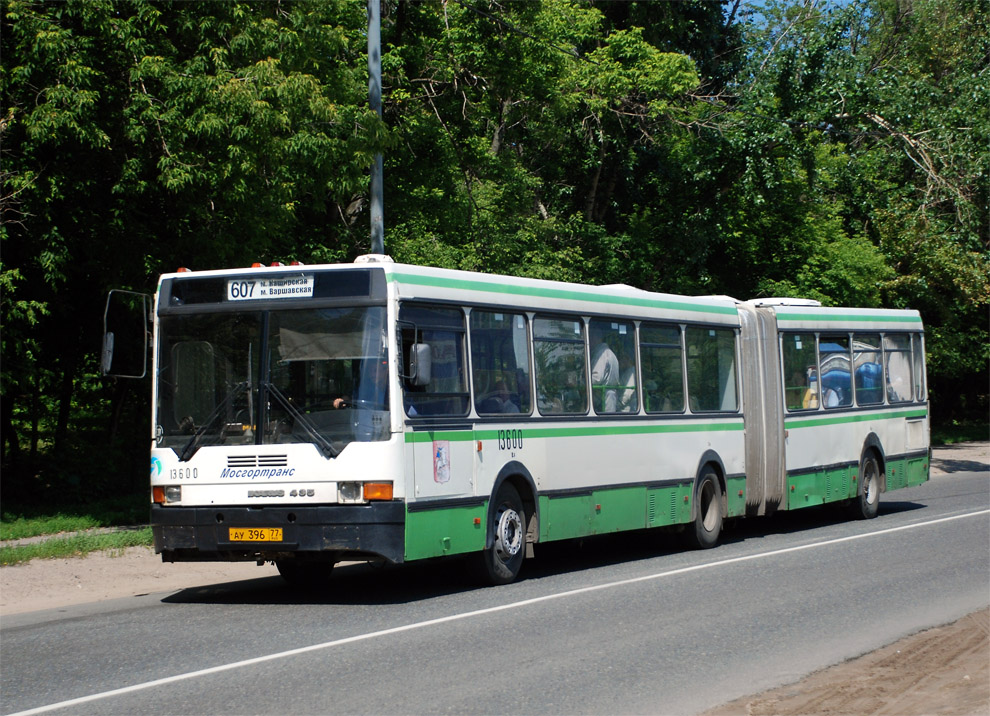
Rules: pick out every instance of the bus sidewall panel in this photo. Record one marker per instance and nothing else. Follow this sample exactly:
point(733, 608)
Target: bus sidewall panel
point(824, 453)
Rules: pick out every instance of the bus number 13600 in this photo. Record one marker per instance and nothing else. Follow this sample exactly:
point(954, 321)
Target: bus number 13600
point(510, 440)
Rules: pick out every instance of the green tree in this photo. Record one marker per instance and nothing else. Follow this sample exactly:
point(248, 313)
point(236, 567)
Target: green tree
point(874, 118)
point(522, 130)
point(140, 136)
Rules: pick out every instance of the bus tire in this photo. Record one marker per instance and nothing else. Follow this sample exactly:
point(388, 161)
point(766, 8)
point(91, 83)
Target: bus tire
point(502, 558)
point(867, 503)
point(305, 574)
point(707, 526)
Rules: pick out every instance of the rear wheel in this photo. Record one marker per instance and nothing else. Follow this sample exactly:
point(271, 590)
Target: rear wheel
point(502, 559)
point(867, 504)
point(707, 526)
point(304, 573)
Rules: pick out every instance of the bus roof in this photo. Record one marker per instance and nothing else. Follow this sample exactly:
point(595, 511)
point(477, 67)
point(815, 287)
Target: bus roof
point(820, 318)
point(449, 285)
point(537, 294)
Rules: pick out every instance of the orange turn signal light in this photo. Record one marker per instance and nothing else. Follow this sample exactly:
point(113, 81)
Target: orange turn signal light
point(158, 494)
point(378, 490)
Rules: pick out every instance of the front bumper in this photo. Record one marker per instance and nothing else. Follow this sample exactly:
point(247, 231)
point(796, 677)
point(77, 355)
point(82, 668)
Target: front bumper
point(337, 532)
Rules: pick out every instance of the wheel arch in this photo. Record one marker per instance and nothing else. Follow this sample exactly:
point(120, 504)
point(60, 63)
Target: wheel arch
point(516, 474)
point(873, 444)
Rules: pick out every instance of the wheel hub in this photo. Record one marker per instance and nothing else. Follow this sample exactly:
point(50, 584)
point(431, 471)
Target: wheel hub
point(508, 534)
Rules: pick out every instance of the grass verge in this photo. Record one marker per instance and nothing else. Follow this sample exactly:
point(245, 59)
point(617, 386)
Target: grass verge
point(75, 546)
point(959, 431)
point(19, 522)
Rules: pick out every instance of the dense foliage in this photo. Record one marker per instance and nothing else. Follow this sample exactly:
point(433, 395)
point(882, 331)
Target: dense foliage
point(833, 151)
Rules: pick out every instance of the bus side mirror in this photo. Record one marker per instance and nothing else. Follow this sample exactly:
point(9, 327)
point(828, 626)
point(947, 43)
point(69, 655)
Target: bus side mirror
point(420, 364)
point(106, 357)
point(124, 353)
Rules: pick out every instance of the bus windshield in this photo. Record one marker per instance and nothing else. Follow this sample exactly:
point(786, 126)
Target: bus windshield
point(315, 376)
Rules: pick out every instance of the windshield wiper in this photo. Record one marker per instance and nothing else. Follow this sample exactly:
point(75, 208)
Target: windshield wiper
point(302, 420)
point(193, 445)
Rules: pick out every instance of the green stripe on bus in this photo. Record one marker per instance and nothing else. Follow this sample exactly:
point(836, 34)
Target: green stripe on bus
point(426, 436)
point(557, 293)
point(845, 317)
point(803, 422)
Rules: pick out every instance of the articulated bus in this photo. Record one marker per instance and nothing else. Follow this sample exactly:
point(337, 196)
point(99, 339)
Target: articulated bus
point(307, 415)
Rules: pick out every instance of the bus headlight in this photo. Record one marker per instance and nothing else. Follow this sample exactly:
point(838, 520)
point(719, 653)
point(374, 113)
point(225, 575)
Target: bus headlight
point(349, 492)
point(170, 493)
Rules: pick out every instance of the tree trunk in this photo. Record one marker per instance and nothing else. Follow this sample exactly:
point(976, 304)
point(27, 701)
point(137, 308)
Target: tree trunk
point(64, 408)
point(605, 200)
point(496, 145)
point(10, 445)
point(117, 409)
point(589, 205)
point(35, 389)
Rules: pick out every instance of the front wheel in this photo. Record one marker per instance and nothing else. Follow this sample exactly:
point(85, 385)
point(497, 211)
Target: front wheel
point(867, 504)
point(503, 555)
point(707, 526)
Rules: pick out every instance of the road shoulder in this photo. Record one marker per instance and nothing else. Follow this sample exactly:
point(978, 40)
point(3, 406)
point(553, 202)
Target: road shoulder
point(945, 670)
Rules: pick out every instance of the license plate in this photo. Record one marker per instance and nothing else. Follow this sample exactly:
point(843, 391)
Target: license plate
point(255, 534)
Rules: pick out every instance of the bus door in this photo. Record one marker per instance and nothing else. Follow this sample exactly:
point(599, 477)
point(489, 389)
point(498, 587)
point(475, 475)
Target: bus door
point(435, 400)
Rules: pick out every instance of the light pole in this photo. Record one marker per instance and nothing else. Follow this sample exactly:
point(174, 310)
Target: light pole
point(375, 100)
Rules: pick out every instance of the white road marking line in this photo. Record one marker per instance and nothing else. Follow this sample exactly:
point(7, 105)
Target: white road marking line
point(478, 612)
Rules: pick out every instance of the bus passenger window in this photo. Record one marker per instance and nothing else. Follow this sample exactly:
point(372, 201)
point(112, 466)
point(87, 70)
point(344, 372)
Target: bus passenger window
point(561, 380)
point(662, 362)
point(711, 368)
point(800, 371)
point(836, 378)
point(613, 366)
point(500, 362)
point(443, 330)
point(897, 357)
point(867, 367)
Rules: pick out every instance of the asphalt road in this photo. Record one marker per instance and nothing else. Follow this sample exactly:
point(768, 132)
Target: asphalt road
point(621, 624)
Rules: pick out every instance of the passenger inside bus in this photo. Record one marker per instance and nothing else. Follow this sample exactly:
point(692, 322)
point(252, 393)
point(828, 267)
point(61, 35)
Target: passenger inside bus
point(659, 397)
point(371, 387)
point(604, 371)
point(627, 397)
point(500, 401)
point(811, 393)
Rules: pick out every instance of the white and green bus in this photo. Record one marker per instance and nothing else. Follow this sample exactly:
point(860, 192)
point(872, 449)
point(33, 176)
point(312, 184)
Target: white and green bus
point(307, 415)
